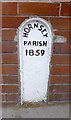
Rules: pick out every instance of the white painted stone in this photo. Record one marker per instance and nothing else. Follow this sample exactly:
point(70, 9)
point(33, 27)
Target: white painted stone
point(59, 39)
point(35, 67)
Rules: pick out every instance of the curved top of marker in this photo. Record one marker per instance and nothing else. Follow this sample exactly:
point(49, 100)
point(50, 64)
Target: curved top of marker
point(37, 19)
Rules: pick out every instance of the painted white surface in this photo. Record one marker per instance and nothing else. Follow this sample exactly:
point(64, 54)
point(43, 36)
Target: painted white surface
point(34, 70)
